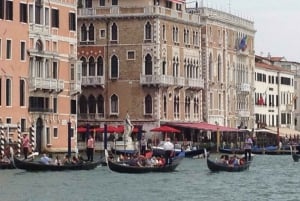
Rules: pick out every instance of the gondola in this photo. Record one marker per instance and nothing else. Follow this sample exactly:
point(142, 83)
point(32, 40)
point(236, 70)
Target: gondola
point(215, 166)
point(124, 167)
point(294, 154)
point(37, 166)
point(6, 165)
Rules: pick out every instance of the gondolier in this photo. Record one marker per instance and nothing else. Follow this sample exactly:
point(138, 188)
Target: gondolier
point(248, 148)
point(169, 148)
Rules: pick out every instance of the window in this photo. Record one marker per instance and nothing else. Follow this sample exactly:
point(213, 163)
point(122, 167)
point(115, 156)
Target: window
point(23, 125)
point(2, 9)
point(9, 10)
point(100, 105)
point(54, 105)
point(47, 16)
point(92, 66)
point(148, 104)
point(30, 13)
point(114, 67)
point(73, 106)
point(22, 93)
point(88, 3)
point(55, 132)
point(130, 55)
point(8, 92)
point(92, 104)
point(148, 31)
point(102, 33)
point(148, 65)
point(8, 49)
point(55, 18)
point(72, 22)
point(55, 70)
point(114, 104)
point(91, 32)
point(84, 66)
point(83, 33)
point(48, 136)
point(114, 2)
point(114, 32)
point(23, 12)
point(23, 50)
point(101, 2)
point(38, 12)
point(100, 66)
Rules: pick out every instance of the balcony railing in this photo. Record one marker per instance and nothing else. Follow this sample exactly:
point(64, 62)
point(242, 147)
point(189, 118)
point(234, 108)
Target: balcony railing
point(39, 29)
point(92, 80)
point(131, 11)
point(90, 116)
point(244, 113)
point(46, 84)
point(157, 80)
point(244, 87)
point(194, 83)
point(75, 88)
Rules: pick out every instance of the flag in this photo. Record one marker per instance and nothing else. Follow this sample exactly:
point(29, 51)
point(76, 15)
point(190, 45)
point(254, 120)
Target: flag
point(261, 100)
point(243, 43)
point(178, 1)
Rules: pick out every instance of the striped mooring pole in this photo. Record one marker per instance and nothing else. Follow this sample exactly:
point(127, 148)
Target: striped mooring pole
point(19, 140)
point(32, 137)
point(2, 141)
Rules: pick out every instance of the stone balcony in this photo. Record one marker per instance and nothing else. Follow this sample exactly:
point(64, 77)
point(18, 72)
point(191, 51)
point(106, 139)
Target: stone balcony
point(92, 80)
point(49, 84)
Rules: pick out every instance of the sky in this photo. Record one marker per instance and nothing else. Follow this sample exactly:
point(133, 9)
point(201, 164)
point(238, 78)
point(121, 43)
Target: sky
point(277, 23)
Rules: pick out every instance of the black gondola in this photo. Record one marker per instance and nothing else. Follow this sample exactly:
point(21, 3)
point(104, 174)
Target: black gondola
point(296, 157)
point(216, 167)
point(123, 167)
point(37, 166)
point(6, 165)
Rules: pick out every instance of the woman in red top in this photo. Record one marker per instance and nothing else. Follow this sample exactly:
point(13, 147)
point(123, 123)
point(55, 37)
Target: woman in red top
point(25, 145)
point(90, 148)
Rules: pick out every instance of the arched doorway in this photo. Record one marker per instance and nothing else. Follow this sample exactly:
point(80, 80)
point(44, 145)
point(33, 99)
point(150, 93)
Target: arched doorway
point(39, 133)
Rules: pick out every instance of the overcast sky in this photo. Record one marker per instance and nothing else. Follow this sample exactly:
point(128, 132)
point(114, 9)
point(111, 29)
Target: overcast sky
point(277, 23)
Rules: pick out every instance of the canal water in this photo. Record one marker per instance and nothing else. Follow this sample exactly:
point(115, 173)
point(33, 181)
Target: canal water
point(269, 178)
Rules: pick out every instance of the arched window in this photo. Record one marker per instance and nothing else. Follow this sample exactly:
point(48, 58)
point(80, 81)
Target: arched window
point(92, 104)
point(148, 104)
point(100, 66)
point(148, 34)
point(92, 67)
point(164, 67)
point(219, 68)
point(114, 32)
point(100, 106)
point(114, 104)
point(148, 65)
point(114, 67)
point(91, 32)
point(84, 66)
point(210, 68)
point(82, 105)
point(83, 33)
point(165, 106)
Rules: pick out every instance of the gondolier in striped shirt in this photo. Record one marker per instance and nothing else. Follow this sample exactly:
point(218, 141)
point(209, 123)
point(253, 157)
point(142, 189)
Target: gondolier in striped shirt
point(169, 149)
point(248, 148)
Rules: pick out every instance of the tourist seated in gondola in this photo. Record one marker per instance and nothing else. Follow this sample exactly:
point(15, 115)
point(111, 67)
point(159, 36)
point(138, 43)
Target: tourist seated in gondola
point(45, 159)
point(154, 161)
point(223, 159)
point(74, 160)
point(57, 161)
point(4, 159)
point(66, 160)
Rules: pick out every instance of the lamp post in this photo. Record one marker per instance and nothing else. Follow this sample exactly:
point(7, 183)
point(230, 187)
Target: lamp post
point(218, 136)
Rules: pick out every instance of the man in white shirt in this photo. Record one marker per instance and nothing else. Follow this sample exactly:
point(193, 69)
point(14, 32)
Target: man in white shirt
point(169, 149)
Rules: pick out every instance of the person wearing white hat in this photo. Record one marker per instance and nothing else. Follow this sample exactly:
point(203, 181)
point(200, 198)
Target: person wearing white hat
point(169, 149)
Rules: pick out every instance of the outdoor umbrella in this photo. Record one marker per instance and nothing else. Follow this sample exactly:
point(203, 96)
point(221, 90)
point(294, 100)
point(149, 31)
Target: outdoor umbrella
point(81, 129)
point(166, 129)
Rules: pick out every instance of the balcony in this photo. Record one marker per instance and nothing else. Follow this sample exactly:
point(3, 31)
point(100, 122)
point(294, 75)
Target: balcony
point(194, 83)
point(39, 29)
point(92, 80)
point(179, 81)
point(161, 80)
point(110, 11)
point(75, 88)
point(90, 116)
point(244, 87)
point(244, 113)
point(48, 84)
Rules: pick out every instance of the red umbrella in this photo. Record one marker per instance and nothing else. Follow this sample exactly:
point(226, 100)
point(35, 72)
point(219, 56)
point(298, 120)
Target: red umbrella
point(110, 129)
point(167, 129)
point(135, 129)
point(81, 129)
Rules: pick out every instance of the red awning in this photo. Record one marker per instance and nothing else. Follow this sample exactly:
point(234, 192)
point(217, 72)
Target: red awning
point(205, 126)
point(167, 129)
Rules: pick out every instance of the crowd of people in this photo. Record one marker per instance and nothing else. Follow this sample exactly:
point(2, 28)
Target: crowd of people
point(231, 161)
